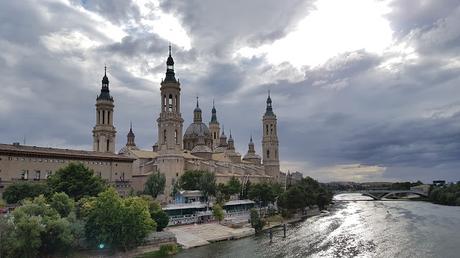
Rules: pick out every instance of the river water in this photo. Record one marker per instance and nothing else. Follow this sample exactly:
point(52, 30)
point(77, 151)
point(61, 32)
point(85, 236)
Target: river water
point(355, 229)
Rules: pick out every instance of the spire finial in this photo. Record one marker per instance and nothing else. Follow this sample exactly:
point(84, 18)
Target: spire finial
point(169, 48)
point(230, 133)
point(105, 70)
point(130, 125)
point(213, 103)
point(197, 101)
point(269, 93)
point(250, 139)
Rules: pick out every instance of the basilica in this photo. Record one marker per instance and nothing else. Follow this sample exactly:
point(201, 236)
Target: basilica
point(203, 146)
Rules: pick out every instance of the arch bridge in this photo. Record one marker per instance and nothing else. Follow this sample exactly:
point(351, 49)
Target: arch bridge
point(381, 194)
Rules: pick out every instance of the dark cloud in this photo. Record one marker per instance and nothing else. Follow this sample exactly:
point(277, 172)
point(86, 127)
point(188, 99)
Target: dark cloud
point(354, 109)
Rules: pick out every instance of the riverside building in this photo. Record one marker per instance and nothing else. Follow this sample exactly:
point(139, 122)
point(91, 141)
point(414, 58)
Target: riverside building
point(202, 147)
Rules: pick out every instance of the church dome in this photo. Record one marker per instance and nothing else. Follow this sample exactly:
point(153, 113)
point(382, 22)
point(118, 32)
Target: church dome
point(201, 149)
point(197, 130)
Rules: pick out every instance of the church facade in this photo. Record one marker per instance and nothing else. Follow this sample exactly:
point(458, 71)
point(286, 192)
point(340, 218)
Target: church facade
point(202, 147)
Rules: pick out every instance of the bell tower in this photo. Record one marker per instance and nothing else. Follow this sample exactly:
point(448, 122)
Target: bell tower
point(104, 132)
point(170, 160)
point(270, 142)
point(214, 127)
point(170, 122)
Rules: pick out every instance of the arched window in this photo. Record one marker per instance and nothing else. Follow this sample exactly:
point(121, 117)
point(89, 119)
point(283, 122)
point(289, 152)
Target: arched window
point(268, 154)
point(271, 129)
point(103, 116)
point(175, 136)
point(266, 126)
point(108, 117)
point(108, 145)
point(215, 136)
point(164, 136)
point(175, 104)
point(170, 103)
point(164, 103)
point(97, 145)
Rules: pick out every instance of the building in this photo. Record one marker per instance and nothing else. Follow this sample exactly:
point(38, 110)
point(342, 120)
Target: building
point(199, 148)
point(35, 164)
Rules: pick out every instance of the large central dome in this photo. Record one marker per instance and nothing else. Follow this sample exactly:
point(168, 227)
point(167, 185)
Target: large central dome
point(197, 130)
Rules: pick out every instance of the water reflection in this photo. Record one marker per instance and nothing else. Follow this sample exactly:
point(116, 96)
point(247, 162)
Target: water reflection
point(356, 229)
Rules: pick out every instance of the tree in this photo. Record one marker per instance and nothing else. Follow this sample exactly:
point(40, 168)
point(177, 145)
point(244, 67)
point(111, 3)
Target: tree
point(199, 180)
point(218, 212)
point(76, 181)
point(22, 190)
point(245, 190)
point(262, 194)
point(117, 223)
point(256, 222)
point(233, 186)
point(161, 218)
point(207, 185)
point(156, 213)
point(155, 184)
point(39, 230)
point(190, 180)
point(62, 203)
point(293, 199)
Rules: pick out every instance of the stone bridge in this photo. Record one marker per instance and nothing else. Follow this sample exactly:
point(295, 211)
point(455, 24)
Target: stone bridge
point(380, 194)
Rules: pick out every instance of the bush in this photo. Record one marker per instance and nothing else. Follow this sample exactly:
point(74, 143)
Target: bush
point(218, 212)
point(169, 249)
point(446, 195)
point(161, 218)
point(19, 191)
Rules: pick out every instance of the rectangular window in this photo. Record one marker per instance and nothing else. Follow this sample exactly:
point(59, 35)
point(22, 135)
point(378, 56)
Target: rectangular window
point(37, 174)
point(24, 174)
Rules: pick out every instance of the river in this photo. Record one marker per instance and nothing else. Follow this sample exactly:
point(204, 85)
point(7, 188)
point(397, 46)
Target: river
point(355, 229)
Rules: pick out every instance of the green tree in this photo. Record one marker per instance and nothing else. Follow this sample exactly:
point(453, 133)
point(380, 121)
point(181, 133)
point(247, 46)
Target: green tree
point(199, 180)
point(155, 184)
point(62, 203)
point(293, 199)
point(6, 229)
point(157, 214)
point(39, 230)
point(233, 186)
point(161, 218)
point(190, 180)
point(256, 222)
point(77, 181)
point(118, 223)
point(21, 190)
point(207, 185)
point(245, 190)
point(262, 194)
point(218, 212)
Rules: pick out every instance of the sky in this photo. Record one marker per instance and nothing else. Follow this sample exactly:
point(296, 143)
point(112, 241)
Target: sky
point(364, 90)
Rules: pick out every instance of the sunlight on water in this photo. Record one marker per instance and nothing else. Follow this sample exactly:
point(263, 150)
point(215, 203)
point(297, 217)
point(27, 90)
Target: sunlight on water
point(356, 229)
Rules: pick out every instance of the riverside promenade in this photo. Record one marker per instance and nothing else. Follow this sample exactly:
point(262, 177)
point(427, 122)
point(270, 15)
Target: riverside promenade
point(194, 235)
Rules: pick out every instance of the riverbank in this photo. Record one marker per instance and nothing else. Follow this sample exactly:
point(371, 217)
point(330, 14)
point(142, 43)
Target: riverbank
point(194, 235)
point(310, 213)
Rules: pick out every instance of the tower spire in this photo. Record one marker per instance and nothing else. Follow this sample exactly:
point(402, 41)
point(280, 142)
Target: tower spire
point(269, 109)
point(170, 75)
point(197, 112)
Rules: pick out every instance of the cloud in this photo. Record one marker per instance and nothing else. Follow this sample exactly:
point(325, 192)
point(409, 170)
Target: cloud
point(359, 114)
